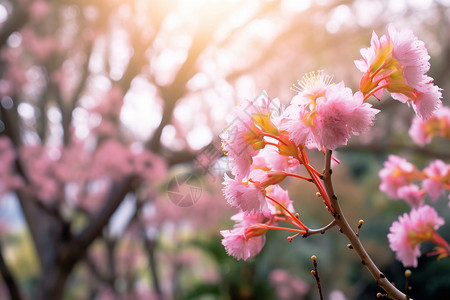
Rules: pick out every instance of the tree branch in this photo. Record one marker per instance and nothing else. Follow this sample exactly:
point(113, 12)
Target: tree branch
point(103, 215)
point(341, 221)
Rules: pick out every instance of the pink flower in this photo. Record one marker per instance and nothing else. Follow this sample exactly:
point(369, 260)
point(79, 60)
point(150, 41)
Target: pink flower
point(340, 114)
point(438, 176)
point(312, 86)
point(150, 166)
point(248, 219)
point(397, 172)
point(411, 193)
point(410, 230)
point(247, 196)
point(270, 158)
point(248, 236)
point(398, 62)
point(241, 245)
point(282, 197)
point(241, 140)
point(422, 131)
point(293, 123)
point(328, 114)
point(112, 160)
point(288, 286)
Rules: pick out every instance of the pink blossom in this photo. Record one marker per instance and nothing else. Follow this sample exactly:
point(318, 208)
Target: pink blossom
point(438, 175)
point(412, 194)
point(282, 196)
point(270, 158)
point(247, 196)
point(398, 62)
point(150, 166)
point(410, 230)
point(39, 169)
point(239, 246)
point(40, 47)
point(293, 123)
point(248, 219)
point(39, 9)
point(340, 114)
point(422, 131)
point(241, 140)
point(312, 86)
point(397, 172)
point(246, 239)
point(111, 159)
point(288, 286)
point(328, 114)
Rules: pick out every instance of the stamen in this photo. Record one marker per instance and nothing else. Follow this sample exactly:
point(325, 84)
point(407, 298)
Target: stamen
point(312, 82)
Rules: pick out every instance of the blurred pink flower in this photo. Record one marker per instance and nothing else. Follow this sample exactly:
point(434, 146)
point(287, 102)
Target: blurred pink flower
point(112, 159)
point(397, 172)
point(410, 230)
point(39, 170)
point(40, 47)
point(148, 165)
point(287, 286)
point(412, 194)
point(438, 177)
point(39, 9)
point(422, 131)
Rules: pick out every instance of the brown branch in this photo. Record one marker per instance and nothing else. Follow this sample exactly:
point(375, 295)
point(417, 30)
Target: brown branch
point(103, 215)
point(356, 244)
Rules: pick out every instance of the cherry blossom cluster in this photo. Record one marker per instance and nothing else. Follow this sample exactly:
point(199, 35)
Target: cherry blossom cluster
point(399, 177)
point(399, 180)
point(75, 173)
point(267, 143)
point(398, 62)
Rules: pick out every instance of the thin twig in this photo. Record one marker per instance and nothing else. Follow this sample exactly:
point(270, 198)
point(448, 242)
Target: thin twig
point(315, 273)
point(320, 230)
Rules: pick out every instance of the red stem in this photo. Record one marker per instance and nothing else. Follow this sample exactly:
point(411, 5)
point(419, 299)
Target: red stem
point(293, 218)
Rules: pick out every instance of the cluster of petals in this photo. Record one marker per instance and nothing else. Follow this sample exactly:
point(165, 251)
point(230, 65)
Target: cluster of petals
point(326, 116)
point(423, 131)
point(396, 174)
point(398, 177)
point(398, 62)
point(247, 196)
point(241, 140)
point(411, 230)
point(247, 238)
point(437, 179)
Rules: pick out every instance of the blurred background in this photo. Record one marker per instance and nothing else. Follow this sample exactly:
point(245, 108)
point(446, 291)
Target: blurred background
point(110, 160)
